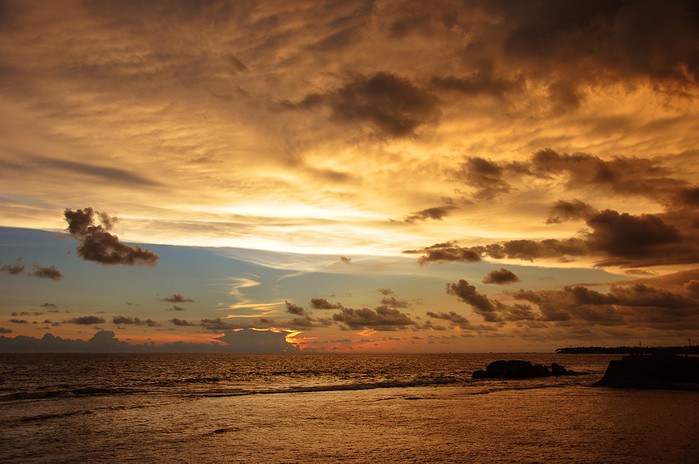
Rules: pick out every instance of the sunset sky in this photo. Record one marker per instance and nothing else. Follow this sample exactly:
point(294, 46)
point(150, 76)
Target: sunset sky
point(349, 176)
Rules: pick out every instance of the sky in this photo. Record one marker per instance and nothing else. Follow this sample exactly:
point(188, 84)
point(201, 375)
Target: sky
point(386, 176)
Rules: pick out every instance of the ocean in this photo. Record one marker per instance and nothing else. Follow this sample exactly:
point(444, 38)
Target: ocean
point(330, 408)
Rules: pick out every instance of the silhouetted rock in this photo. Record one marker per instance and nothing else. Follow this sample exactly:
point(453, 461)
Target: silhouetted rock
point(516, 369)
point(557, 369)
point(655, 371)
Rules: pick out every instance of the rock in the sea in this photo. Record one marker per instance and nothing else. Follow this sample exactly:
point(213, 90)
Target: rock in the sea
point(516, 369)
point(655, 371)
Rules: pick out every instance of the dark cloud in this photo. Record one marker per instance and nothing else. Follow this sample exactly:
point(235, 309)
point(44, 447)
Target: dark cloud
point(630, 239)
point(619, 175)
point(485, 176)
point(99, 173)
point(177, 298)
point(448, 252)
point(392, 302)
point(46, 272)
point(322, 303)
point(15, 269)
point(5, 331)
point(19, 321)
point(617, 239)
point(639, 302)
point(569, 210)
point(220, 325)
point(479, 83)
point(98, 245)
point(134, 321)
point(176, 308)
point(380, 318)
point(478, 301)
point(182, 322)
point(580, 42)
point(37, 270)
point(500, 276)
point(306, 322)
point(436, 213)
point(257, 341)
point(86, 320)
point(291, 308)
point(693, 287)
point(104, 341)
point(452, 317)
point(394, 106)
point(50, 306)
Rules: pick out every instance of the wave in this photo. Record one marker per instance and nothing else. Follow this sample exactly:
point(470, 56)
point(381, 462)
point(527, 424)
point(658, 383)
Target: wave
point(85, 391)
point(335, 387)
point(216, 387)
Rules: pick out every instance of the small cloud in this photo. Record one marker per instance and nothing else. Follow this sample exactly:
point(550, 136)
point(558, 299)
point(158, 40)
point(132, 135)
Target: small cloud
point(98, 245)
point(219, 325)
point(18, 321)
point(134, 321)
point(392, 302)
point(567, 210)
point(177, 298)
point(385, 291)
point(452, 317)
point(46, 272)
point(291, 308)
point(322, 303)
point(182, 322)
point(437, 213)
point(343, 260)
point(15, 269)
point(481, 303)
point(86, 320)
point(500, 277)
point(639, 272)
point(5, 331)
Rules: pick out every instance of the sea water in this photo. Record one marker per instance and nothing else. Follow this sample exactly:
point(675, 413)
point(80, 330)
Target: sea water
point(317, 408)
